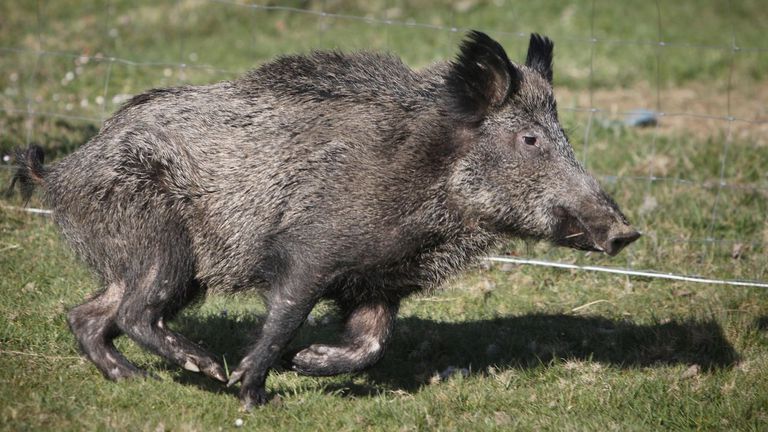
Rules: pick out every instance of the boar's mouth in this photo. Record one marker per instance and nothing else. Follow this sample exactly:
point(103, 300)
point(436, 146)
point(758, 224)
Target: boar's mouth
point(607, 236)
point(571, 232)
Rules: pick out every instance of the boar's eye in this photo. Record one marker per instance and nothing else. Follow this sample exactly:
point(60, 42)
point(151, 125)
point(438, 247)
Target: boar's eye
point(529, 139)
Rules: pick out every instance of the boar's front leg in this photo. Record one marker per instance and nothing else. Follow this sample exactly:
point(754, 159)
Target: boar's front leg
point(288, 303)
point(367, 331)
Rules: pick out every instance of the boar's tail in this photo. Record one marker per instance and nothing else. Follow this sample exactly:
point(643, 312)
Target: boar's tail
point(29, 172)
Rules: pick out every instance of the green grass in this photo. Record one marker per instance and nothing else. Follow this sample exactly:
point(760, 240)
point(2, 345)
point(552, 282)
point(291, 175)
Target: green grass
point(544, 348)
point(536, 359)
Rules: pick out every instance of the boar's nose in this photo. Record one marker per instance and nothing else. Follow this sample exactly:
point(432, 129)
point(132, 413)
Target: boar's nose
point(620, 239)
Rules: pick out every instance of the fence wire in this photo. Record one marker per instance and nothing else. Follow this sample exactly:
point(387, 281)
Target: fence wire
point(33, 110)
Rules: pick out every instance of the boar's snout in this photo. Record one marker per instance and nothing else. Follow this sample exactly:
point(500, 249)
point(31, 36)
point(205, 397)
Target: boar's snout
point(621, 237)
point(602, 231)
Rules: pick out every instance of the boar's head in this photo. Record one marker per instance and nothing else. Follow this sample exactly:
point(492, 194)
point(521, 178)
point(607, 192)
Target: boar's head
point(515, 171)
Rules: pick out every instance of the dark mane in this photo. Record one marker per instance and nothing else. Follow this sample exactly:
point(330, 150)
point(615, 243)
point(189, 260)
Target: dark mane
point(328, 75)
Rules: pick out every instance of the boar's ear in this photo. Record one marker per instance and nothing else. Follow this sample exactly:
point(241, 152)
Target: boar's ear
point(482, 77)
point(540, 55)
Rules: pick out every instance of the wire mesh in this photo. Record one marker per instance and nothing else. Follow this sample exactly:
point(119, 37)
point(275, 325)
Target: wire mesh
point(710, 240)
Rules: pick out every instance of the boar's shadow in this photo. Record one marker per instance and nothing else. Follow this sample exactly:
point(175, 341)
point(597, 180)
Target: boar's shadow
point(422, 348)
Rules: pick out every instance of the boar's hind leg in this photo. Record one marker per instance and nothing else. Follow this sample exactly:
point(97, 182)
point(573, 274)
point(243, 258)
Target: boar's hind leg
point(164, 284)
point(367, 331)
point(93, 324)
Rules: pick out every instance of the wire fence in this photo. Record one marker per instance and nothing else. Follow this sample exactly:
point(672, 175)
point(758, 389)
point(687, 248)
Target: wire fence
point(734, 254)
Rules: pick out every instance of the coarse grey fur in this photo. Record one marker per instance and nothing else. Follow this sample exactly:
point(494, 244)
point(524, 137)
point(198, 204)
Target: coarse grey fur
point(348, 177)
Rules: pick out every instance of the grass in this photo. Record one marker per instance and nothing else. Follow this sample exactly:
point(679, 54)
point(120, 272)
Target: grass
point(536, 356)
point(531, 348)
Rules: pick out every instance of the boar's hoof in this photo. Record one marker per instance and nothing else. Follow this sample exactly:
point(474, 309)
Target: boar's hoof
point(190, 366)
point(207, 366)
point(234, 377)
point(251, 397)
point(216, 372)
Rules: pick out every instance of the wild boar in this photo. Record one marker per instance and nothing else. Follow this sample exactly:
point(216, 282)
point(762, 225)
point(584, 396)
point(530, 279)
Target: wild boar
point(348, 177)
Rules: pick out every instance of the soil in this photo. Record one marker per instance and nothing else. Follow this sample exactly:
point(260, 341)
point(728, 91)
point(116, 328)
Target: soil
point(695, 108)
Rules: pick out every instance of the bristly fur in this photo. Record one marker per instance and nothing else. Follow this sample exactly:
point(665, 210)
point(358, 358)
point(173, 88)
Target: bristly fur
point(345, 177)
point(29, 172)
point(540, 55)
point(482, 77)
